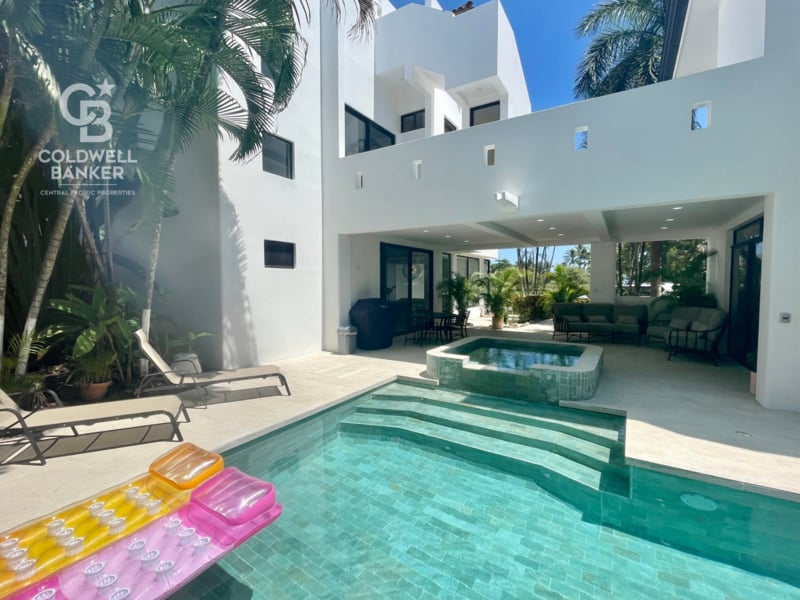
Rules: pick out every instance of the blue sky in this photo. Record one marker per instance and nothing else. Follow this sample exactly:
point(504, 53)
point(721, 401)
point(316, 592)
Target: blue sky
point(549, 50)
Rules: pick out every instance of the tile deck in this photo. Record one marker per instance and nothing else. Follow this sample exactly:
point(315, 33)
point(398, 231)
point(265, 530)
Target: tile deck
point(684, 416)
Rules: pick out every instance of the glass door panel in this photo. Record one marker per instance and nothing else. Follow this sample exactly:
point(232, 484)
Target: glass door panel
point(406, 281)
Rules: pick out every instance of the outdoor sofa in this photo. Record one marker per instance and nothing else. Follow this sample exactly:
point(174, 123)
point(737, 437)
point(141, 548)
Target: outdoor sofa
point(614, 321)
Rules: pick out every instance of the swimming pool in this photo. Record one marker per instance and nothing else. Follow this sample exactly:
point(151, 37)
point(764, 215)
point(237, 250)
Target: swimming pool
point(549, 372)
point(380, 516)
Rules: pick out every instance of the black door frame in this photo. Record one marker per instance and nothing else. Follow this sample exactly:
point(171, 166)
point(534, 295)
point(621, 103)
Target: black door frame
point(751, 345)
point(406, 319)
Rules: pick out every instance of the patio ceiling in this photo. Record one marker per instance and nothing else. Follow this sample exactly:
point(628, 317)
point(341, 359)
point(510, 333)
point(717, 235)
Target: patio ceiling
point(662, 222)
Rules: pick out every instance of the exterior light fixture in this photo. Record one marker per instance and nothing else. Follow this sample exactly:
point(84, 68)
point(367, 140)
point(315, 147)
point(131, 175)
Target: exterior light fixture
point(506, 201)
point(677, 208)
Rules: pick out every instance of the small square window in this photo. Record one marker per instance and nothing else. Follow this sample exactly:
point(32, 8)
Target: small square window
point(412, 121)
point(488, 155)
point(278, 255)
point(581, 139)
point(701, 116)
point(277, 156)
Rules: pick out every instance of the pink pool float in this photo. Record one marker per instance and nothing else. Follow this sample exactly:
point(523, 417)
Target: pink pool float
point(161, 557)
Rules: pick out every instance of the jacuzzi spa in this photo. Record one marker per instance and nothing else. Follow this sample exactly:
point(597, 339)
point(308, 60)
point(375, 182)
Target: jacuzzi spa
point(547, 372)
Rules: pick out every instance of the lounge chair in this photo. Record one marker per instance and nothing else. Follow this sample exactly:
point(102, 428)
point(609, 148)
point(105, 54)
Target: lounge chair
point(166, 377)
point(33, 424)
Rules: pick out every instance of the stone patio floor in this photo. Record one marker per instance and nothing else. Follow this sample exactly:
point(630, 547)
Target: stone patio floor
point(684, 416)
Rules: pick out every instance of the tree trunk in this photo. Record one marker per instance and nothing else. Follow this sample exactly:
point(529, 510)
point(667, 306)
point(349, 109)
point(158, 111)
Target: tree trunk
point(46, 272)
point(95, 259)
point(8, 213)
point(619, 268)
point(6, 89)
point(150, 283)
point(655, 265)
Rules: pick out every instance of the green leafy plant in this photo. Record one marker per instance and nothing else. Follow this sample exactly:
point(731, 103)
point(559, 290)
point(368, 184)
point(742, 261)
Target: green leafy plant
point(499, 290)
point(564, 284)
point(91, 325)
point(186, 343)
point(459, 290)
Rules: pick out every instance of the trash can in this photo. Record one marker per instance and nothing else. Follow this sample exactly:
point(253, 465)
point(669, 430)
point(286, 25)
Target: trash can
point(374, 318)
point(347, 339)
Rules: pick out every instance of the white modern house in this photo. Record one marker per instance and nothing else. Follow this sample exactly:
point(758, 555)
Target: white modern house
point(396, 162)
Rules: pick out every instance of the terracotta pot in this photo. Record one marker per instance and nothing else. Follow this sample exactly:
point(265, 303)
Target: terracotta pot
point(498, 322)
point(93, 392)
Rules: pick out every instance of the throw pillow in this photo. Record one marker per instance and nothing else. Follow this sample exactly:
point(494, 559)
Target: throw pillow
point(597, 319)
point(698, 326)
point(627, 320)
point(679, 324)
point(571, 318)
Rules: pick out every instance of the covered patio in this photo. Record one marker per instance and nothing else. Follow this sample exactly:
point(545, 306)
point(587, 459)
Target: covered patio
point(684, 416)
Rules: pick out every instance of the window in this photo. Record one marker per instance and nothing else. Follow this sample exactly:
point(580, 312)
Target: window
point(277, 156)
point(701, 115)
point(485, 113)
point(448, 126)
point(581, 138)
point(467, 265)
point(361, 134)
point(412, 121)
point(278, 255)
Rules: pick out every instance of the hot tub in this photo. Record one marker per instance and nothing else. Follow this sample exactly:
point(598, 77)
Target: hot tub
point(547, 372)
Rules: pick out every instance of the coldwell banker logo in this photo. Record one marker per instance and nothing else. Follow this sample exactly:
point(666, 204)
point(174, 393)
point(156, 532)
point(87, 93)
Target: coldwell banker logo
point(81, 167)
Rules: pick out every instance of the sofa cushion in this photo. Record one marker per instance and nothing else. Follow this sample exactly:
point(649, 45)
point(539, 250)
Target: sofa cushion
point(699, 326)
point(676, 323)
point(597, 319)
point(571, 318)
point(627, 320)
point(595, 309)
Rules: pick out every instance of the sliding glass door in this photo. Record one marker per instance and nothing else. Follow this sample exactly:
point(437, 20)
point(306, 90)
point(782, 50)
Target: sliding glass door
point(406, 281)
point(745, 290)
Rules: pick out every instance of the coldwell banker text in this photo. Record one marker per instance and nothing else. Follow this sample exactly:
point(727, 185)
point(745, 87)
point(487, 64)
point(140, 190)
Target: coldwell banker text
point(86, 165)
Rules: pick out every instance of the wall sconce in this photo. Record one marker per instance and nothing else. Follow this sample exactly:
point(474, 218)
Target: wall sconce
point(506, 201)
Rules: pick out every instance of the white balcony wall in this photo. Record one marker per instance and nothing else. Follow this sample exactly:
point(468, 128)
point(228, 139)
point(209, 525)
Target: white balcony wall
point(473, 46)
point(643, 152)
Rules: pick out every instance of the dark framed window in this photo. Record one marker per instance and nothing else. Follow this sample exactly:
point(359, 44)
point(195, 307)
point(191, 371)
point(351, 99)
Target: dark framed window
point(467, 265)
point(412, 121)
point(362, 134)
point(485, 113)
point(487, 265)
point(277, 156)
point(448, 126)
point(278, 255)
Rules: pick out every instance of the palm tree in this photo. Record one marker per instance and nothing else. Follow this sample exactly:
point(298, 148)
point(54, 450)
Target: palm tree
point(625, 51)
point(565, 284)
point(174, 56)
point(499, 290)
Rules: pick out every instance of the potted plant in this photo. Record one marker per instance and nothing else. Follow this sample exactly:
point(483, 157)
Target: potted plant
point(459, 290)
point(93, 373)
point(92, 332)
point(499, 290)
point(184, 351)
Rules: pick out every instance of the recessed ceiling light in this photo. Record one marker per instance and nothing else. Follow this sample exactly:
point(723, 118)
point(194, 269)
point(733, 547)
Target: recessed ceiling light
point(552, 228)
point(448, 236)
point(665, 228)
point(424, 231)
point(560, 235)
point(540, 220)
point(669, 220)
point(466, 241)
point(677, 208)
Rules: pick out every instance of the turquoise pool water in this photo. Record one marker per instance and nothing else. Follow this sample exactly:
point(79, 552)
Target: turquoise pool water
point(511, 356)
point(378, 516)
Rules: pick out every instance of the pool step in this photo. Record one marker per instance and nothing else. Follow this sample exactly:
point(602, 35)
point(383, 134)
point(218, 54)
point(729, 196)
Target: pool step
point(568, 466)
point(597, 427)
